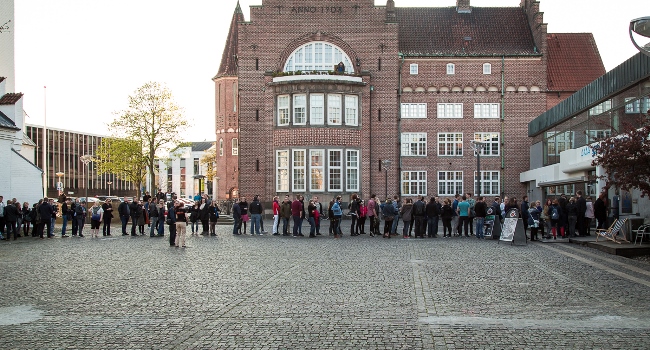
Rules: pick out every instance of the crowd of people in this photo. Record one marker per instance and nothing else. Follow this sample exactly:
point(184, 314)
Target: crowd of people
point(461, 216)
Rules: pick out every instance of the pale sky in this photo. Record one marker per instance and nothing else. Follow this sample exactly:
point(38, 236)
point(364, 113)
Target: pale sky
point(92, 54)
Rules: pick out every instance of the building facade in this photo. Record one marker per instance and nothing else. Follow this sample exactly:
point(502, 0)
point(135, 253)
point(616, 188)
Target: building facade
point(347, 97)
point(561, 154)
point(64, 151)
point(186, 172)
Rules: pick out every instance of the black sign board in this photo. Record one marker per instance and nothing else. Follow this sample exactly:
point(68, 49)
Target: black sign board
point(513, 228)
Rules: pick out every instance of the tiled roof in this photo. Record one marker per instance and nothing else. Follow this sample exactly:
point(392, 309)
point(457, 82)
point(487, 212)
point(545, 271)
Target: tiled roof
point(573, 61)
point(10, 98)
point(442, 31)
point(27, 141)
point(2, 79)
point(7, 123)
point(228, 62)
point(201, 146)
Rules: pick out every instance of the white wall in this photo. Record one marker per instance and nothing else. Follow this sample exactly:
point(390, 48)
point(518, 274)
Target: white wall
point(7, 65)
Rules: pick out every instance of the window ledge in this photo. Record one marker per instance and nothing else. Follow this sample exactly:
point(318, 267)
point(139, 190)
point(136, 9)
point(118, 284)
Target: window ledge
point(317, 77)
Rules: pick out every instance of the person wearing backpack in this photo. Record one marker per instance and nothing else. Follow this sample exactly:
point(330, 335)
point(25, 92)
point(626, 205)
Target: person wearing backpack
point(337, 214)
point(96, 216)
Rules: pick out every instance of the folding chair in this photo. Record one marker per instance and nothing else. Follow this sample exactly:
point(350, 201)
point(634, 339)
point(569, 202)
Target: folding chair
point(643, 230)
point(612, 232)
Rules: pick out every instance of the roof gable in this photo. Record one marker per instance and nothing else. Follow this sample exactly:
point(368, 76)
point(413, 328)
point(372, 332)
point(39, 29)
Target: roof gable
point(7, 123)
point(573, 61)
point(228, 65)
point(201, 146)
point(442, 31)
point(10, 98)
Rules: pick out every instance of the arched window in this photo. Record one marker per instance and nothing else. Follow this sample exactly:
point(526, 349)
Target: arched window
point(220, 147)
point(319, 56)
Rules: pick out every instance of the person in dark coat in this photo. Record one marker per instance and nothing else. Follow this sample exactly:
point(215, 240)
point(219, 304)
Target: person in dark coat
point(125, 213)
point(11, 218)
point(204, 216)
point(171, 221)
point(46, 211)
point(581, 207)
point(236, 215)
point(600, 211)
point(107, 207)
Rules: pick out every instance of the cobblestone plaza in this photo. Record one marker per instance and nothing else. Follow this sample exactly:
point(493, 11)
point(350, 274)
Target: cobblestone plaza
point(267, 292)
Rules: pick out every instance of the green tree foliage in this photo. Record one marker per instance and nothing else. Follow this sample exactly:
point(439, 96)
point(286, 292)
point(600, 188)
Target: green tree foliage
point(152, 119)
point(124, 158)
point(210, 159)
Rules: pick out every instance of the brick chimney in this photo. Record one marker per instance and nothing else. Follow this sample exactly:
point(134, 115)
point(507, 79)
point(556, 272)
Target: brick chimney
point(462, 6)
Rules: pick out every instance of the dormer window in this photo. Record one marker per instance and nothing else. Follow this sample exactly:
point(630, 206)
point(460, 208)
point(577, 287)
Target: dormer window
point(451, 68)
point(414, 68)
point(487, 68)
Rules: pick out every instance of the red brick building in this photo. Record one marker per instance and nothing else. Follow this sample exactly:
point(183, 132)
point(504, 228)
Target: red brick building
point(320, 95)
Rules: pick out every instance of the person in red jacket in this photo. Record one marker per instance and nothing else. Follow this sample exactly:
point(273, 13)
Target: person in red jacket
point(276, 215)
point(296, 212)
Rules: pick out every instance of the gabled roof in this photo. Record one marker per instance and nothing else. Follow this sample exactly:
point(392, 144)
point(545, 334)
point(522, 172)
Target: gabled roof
point(201, 146)
point(2, 79)
point(573, 61)
point(10, 98)
point(228, 61)
point(27, 141)
point(7, 123)
point(442, 31)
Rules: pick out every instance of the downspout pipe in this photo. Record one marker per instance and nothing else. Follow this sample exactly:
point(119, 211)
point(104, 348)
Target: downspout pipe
point(399, 126)
point(503, 103)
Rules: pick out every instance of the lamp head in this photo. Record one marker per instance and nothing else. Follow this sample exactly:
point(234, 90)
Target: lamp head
point(640, 34)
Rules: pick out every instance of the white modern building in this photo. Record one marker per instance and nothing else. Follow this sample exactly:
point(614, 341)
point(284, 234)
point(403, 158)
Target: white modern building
point(184, 172)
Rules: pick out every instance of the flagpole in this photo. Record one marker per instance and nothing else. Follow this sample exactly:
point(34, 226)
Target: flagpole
point(44, 141)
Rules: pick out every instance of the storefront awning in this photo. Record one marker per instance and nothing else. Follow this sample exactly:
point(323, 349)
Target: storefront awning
point(569, 181)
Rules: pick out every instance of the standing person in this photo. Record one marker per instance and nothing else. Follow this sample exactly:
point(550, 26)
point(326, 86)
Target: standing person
point(125, 212)
point(363, 214)
point(143, 218)
point(136, 212)
point(433, 214)
point(372, 214)
point(72, 212)
point(255, 209)
point(181, 224)
point(296, 212)
point(472, 213)
point(354, 214)
point(55, 209)
point(463, 216)
point(406, 212)
point(46, 212)
point(419, 217)
point(243, 205)
point(572, 215)
point(554, 213)
point(27, 218)
point(589, 215)
point(276, 215)
point(337, 215)
point(96, 216)
point(194, 216)
point(615, 205)
point(313, 216)
point(398, 207)
point(389, 212)
point(446, 215)
point(581, 206)
point(11, 217)
point(154, 216)
point(2, 217)
point(600, 211)
point(236, 215)
point(171, 221)
point(319, 209)
point(107, 216)
point(455, 220)
point(214, 216)
point(204, 216)
point(533, 222)
point(285, 213)
point(65, 209)
point(303, 215)
point(160, 196)
point(480, 210)
point(80, 217)
point(547, 212)
point(523, 213)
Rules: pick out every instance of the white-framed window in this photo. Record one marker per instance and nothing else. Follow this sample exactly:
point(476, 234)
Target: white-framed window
point(414, 110)
point(299, 170)
point(351, 110)
point(316, 105)
point(319, 56)
point(414, 144)
point(220, 147)
point(450, 110)
point(235, 147)
point(282, 171)
point(283, 110)
point(414, 183)
point(487, 68)
point(601, 108)
point(558, 142)
point(639, 106)
point(317, 170)
point(593, 135)
point(450, 183)
point(490, 183)
point(352, 170)
point(335, 170)
point(414, 68)
point(450, 144)
point(334, 109)
point(486, 110)
point(299, 109)
point(451, 68)
point(490, 141)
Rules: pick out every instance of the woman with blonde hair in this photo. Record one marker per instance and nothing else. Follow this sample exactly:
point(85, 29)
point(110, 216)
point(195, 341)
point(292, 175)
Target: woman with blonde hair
point(96, 216)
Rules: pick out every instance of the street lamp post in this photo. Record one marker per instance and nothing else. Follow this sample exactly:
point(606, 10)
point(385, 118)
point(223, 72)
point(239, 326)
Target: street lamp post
point(59, 184)
point(641, 27)
point(200, 178)
point(109, 183)
point(86, 159)
point(478, 147)
point(385, 163)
